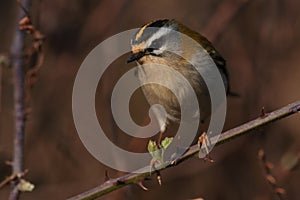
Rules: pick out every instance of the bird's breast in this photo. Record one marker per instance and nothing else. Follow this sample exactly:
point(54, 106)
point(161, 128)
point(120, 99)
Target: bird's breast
point(172, 88)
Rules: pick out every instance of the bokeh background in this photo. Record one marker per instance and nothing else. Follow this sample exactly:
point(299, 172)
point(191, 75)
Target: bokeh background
point(261, 43)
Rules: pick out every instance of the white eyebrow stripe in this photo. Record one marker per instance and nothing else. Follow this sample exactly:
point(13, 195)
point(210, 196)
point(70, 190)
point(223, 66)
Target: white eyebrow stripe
point(158, 34)
point(160, 50)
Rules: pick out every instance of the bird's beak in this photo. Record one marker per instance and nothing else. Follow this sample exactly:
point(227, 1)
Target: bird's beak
point(136, 56)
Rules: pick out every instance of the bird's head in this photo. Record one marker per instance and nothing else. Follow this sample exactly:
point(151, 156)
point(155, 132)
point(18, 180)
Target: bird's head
point(154, 41)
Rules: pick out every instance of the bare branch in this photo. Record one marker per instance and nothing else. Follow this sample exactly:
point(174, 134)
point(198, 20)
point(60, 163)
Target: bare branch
point(132, 178)
point(13, 177)
point(268, 166)
point(19, 94)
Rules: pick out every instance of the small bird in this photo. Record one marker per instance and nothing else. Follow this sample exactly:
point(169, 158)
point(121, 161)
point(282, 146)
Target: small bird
point(151, 46)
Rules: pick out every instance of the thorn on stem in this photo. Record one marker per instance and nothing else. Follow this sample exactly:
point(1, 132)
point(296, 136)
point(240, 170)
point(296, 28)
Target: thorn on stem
point(263, 113)
point(106, 176)
point(140, 183)
point(268, 166)
point(158, 177)
point(120, 182)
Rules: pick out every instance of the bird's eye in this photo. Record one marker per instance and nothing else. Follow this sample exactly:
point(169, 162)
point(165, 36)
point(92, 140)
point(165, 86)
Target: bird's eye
point(150, 50)
point(156, 43)
point(154, 52)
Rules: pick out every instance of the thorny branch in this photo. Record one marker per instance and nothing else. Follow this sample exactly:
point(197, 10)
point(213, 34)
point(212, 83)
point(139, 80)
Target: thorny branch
point(268, 166)
point(13, 177)
point(21, 85)
point(18, 73)
point(132, 178)
point(34, 56)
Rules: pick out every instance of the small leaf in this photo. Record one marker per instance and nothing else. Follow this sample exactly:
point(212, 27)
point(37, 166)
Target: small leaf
point(25, 186)
point(154, 150)
point(152, 146)
point(166, 142)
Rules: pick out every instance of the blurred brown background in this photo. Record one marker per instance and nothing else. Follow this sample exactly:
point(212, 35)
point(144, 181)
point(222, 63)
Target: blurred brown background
point(261, 44)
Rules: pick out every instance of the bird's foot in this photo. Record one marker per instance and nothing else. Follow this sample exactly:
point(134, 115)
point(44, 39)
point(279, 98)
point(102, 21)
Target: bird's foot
point(203, 143)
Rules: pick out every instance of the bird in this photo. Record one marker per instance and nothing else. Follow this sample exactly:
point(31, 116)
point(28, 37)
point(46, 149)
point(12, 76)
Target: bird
point(154, 44)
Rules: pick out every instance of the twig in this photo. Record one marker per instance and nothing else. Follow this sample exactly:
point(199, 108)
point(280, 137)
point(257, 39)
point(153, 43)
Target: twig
point(18, 73)
point(13, 177)
point(34, 56)
point(132, 178)
point(268, 166)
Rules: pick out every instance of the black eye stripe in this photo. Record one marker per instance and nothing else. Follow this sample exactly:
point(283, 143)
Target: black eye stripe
point(158, 42)
point(150, 49)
